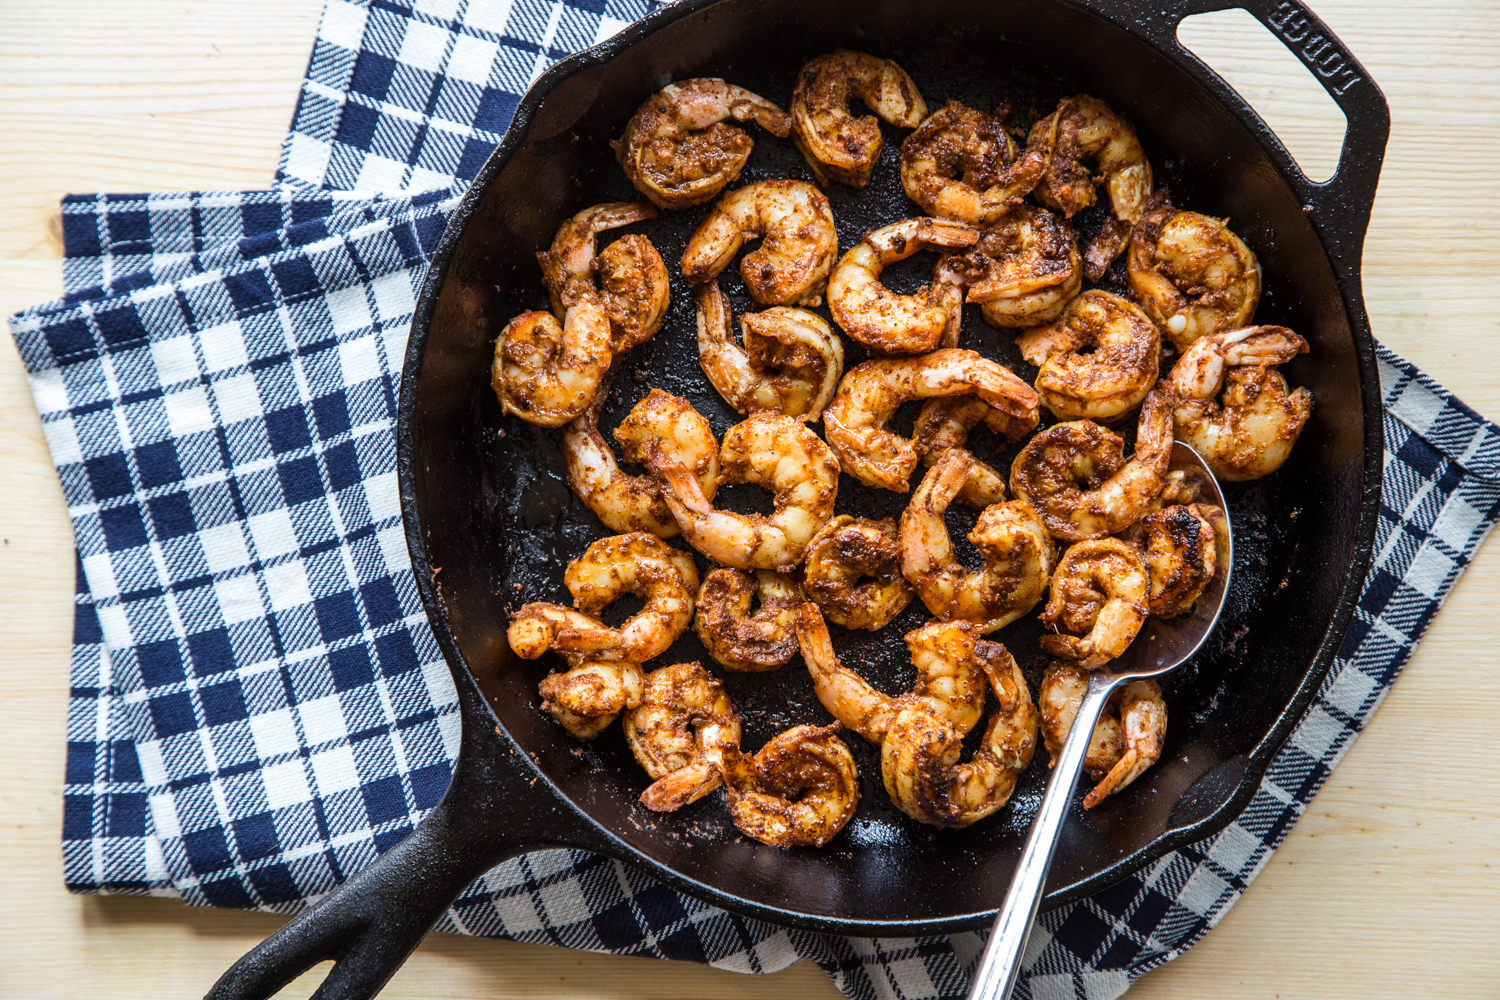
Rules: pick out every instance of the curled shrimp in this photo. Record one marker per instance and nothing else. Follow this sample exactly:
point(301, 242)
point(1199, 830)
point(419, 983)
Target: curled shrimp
point(1011, 539)
point(1192, 274)
point(679, 151)
point(675, 700)
point(635, 290)
point(769, 450)
point(1121, 746)
point(547, 373)
point(871, 393)
point(920, 756)
point(899, 324)
point(790, 363)
point(798, 242)
point(1024, 269)
point(1180, 552)
point(838, 146)
point(1098, 361)
point(738, 638)
point(944, 423)
point(852, 571)
point(799, 790)
point(950, 682)
point(1076, 476)
point(633, 503)
point(1083, 131)
point(1100, 588)
point(962, 164)
point(1251, 431)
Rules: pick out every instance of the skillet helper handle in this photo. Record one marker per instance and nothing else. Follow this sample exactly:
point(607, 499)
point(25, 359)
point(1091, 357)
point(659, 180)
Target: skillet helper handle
point(1340, 206)
point(369, 924)
point(1001, 961)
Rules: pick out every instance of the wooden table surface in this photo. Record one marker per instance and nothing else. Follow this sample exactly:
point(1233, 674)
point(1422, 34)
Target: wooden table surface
point(1385, 887)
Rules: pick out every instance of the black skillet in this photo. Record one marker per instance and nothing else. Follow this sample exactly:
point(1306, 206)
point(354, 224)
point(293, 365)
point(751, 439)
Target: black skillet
point(490, 522)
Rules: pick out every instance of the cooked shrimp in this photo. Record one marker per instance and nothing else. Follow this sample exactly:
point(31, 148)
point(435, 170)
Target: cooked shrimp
point(1098, 361)
point(674, 700)
point(1076, 476)
point(919, 759)
point(679, 151)
point(944, 423)
point(1011, 539)
point(635, 292)
point(796, 791)
point(1083, 130)
point(1192, 274)
point(633, 503)
point(950, 682)
point(798, 242)
point(1252, 432)
point(546, 373)
point(962, 164)
point(852, 571)
point(1120, 748)
point(790, 364)
point(871, 393)
point(736, 637)
point(838, 146)
point(899, 324)
point(1180, 554)
point(1100, 588)
point(1024, 269)
point(586, 698)
point(769, 450)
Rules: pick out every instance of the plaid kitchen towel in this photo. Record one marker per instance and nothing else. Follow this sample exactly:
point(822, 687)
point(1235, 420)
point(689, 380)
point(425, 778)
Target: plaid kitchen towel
point(258, 708)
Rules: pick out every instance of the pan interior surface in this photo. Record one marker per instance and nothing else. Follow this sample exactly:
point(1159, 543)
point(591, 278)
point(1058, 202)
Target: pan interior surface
point(499, 522)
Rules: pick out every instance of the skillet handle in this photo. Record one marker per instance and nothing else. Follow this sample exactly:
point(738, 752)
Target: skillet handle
point(372, 922)
point(1340, 206)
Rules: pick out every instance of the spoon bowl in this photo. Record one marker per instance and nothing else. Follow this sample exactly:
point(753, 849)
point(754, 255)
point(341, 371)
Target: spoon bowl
point(1163, 645)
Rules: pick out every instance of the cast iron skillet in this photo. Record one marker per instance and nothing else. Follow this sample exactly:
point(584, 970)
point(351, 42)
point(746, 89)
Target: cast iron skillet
point(490, 522)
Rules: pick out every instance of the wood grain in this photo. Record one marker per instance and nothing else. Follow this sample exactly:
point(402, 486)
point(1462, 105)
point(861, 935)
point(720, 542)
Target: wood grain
point(1385, 887)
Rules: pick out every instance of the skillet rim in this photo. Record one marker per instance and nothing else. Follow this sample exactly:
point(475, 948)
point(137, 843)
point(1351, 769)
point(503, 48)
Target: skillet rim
point(1344, 261)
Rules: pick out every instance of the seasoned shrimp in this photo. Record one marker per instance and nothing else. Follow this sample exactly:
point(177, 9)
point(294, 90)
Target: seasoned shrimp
point(736, 637)
point(674, 700)
point(1120, 748)
point(796, 791)
point(1098, 361)
point(790, 364)
point(586, 698)
point(798, 242)
point(900, 324)
point(1180, 552)
point(1192, 274)
point(950, 682)
point(838, 146)
point(1100, 588)
point(1024, 269)
point(871, 393)
point(1083, 130)
point(1011, 539)
point(919, 758)
point(546, 373)
point(635, 290)
point(679, 151)
point(1252, 432)
point(944, 423)
point(769, 450)
point(852, 571)
point(1076, 476)
point(962, 164)
point(633, 503)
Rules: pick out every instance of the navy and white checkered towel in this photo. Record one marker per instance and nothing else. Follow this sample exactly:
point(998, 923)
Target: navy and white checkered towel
point(258, 708)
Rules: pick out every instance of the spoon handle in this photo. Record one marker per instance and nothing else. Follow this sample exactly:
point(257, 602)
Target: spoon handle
point(1001, 961)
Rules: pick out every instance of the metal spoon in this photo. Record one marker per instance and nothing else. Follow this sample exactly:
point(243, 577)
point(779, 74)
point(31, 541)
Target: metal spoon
point(1162, 646)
